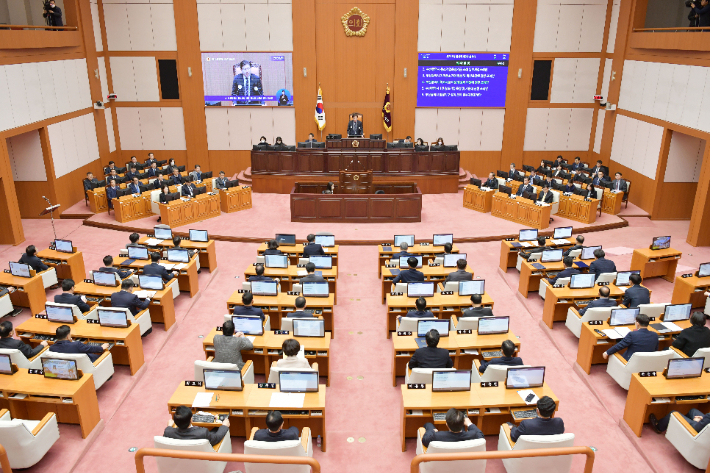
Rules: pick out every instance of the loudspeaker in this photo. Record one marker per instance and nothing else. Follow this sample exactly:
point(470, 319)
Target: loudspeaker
point(169, 88)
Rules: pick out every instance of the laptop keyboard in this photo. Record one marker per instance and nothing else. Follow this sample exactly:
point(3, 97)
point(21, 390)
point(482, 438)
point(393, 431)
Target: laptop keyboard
point(582, 303)
point(492, 354)
point(203, 419)
point(530, 414)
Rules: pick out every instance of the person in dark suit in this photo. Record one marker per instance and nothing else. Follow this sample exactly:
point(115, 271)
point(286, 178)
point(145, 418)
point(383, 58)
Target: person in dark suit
point(525, 187)
point(477, 309)
point(30, 258)
point(601, 264)
point(636, 294)
point(559, 161)
point(151, 159)
point(508, 348)
point(532, 176)
point(411, 274)
point(567, 272)
point(544, 424)
point(603, 300)
point(259, 268)
point(312, 248)
point(403, 247)
point(599, 167)
point(273, 248)
point(695, 337)
point(183, 430)
point(558, 173)
point(703, 12)
point(696, 418)
point(569, 187)
point(641, 340)
point(196, 174)
point(135, 186)
point(300, 312)
point(133, 172)
point(126, 298)
point(53, 14)
point(577, 246)
point(577, 164)
point(112, 193)
point(176, 177)
point(90, 182)
point(108, 268)
point(7, 342)
point(460, 428)
point(421, 311)
point(618, 184)
point(189, 189)
point(311, 139)
point(247, 308)
point(430, 356)
point(177, 241)
point(171, 166)
point(491, 182)
point(275, 431)
point(154, 269)
point(246, 84)
point(112, 174)
point(599, 179)
point(152, 171)
point(65, 344)
point(111, 166)
point(541, 168)
point(133, 239)
point(545, 195)
point(312, 276)
point(541, 246)
point(448, 248)
point(160, 181)
point(355, 126)
point(68, 297)
point(163, 197)
point(221, 181)
point(460, 274)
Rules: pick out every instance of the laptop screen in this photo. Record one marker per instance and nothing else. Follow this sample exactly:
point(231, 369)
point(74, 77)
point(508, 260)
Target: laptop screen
point(152, 283)
point(199, 235)
point(588, 252)
point(677, 312)
point(113, 318)
point(276, 261)
point(308, 328)
point(622, 277)
point(420, 289)
point(248, 325)
point(532, 377)
point(105, 278)
point(20, 269)
point(5, 364)
point(408, 239)
point(562, 232)
point(459, 380)
point(440, 239)
point(223, 380)
point(63, 246)
point(451, 259)
point(440, 325)
point(551, 256)
point(661, 243)
point(704, 270)
point(527, 235)
point(403, 261)
point(469, 288)
point(315, 289)
point(264, 288)
point(581, 281)
point(60, 369)
point(322, 262)
point(176, 255)
point(298, 382)
point(685, 368)
point(162, 233)
point(286, 239)
point(325, 240)
point(623, 316)
point(137, 252)
point(493, 325)
point(59, 314)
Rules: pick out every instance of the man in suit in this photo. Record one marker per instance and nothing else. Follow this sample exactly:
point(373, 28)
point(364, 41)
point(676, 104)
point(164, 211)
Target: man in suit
point(53, 14)
point(111, 166)
point(7, 342)
point(151, 159)
point(577, 246)
point(460, 274)
point(133, 239)
point(275, 431)
point(65, 344)
point(558, 173)
point(545, 195)
point(273, 248)
point(525, 187)
point(30, 258)
point(641, 340)
point(155, 269)
point(112, 174)
point(246, 84)
point(460, 428)
point(68, 297)
point(599, 168)
point(477, 309)
point(695, 337)
point(312, 248)
point(532, 176)
point(411, 274)
point(355, 126)
point(603, 300)
point(300, 312)
point(636, 294)
point(508, 349)
point(153, 170)
point(90, 182)
point(491, 182)
point(176, 177)
point(311, 138)
point(183, 430)
point(599, 179)
point(221, 181)
point(512, 171)
point(402, 251)
point(134, 163)
point(312, 276)
point(541, 246)
point(567, 272)
point(108, 268)
point(133, 172)
point(430, 356)
point(544, 424)
point(695, 418)
point(569, 188)
point(259, 268)
point(601, 264)
point(421, 311)
point(160, 182)
point(618, 184)
point(577, 164)
point(559, 161)
point(135, 186)
point(189, 189)
point(126, 298)
point(112, 193)
point(248, 308)
point(197, 173)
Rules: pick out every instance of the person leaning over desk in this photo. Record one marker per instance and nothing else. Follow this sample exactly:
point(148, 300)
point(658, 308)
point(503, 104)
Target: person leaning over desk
point(460, 428)
point(155, 269)
point(567, 272)
point(65, 344)
point(577, 246)
point(430, 356)
point(184, 430)
point(641, 340)
point(541, 242)
point(228, 346)
point(7, 342)
point(126, 299)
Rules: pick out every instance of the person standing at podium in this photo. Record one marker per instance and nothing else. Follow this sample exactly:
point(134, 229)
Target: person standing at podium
point(355, 126)
point(246, 84)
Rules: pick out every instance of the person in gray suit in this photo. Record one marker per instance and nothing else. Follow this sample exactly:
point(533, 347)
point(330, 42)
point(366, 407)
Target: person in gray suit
point(196, 173)
point(618, 184)
point(184, 430)
point(221, 181)
point(312, 277)
point(460, 274)
point(228, 346)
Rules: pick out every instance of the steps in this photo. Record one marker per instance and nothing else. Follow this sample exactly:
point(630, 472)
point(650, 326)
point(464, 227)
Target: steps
point(464, 178)
point(244, 177)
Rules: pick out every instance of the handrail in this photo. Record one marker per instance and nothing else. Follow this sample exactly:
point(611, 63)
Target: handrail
point(4, 461)
point(224, 457)
point(680, 28)
point(39, 27)
point(497, 455)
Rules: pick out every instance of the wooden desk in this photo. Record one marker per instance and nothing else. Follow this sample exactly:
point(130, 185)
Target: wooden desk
point(654, 263)
point(184, 212)
point(133, 207)
point(289, 276)
point(640, 405)
point(30, 291)
point(574, 207)
point(611, 202)
point(431, 274)
point(73, 402)
point(478, 398)
point(531, 277)
point(509, 252)
point(521, 210)
point(128, 348)
point(279, 306)
point(97, 200)
point(475, 198)
point(235, 199)
point(426, 251)
point(559, 299)
point(691, 290)
point(187, 278)
point(267, 349)
point(68, 265)
point(206, 250)
point(296, 251)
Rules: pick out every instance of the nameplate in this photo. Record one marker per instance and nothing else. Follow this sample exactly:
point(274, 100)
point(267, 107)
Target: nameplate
point(510, 239)
point(416, 386)
point(300, 265)
point(434, 265)
point(293, 293)
point(241, 291)
point(391, 265)
point(89, 281)
point(40, 316)
point(219, 329)
point(596, 322)
point(652, 319)
point(194, 383)
point(447, 293)
point(281, 332)
point(689, 275)
point(92, 321)
point(547, 238)
point(31, 371)
point(602, 284)
point(396, 293)
point(388, 245)
point(7, 270)
point(266, 385)
point(318, 311)
point(489, 384)
point(464, 332)
point(557, 286)
point(648, 374)
point(254, 264)
point(423, 244)
point(404, 334)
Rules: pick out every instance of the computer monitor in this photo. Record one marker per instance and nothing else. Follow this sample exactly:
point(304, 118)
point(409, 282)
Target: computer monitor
point(588, 252)
point(286, 239)
point(63, 246)
point(5, 364)
point(447, 381)
point(581, 281)
point(178, 255)
point(408, 239)
point(298, 381)
point(661, 243)
point(622, 277)
point(315, 289)
point(113, 318)
point(685, 368)
point(57, 368)
point(440, 325)
point(551, 256)
point(20, 269)
point(420, 289)
point(162, 233)
point(322, 262)
point(704, 270)
point(505, 190)
point(199, 235)
point(59, 314)
point(440, 239)
point(469, 288)
point(248, 324)
point(223, 380)
point(311, 327)
point(152, 283)
point(451, 259)
point(493, 325)
point(276, 261)
point(677, 312)
point(562, 232)
point(325, 240)
point(527, 235)
point(623, 316)
point(105, 278)
point(264, 288)
point(532, 377)
point(137, 252)
point(404, 261)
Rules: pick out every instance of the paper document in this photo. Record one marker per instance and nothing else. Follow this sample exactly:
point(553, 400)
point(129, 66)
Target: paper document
point(623, 288)
point(623, 331)
point(202, 400)
point(179, 266)
point(251, 338)
point(301, 272)
point(611, 333)
point(526, 243)
point(525, 393)
point(283, 400)
point(167, 266)
point(672, 327)
point(145, 294)
point(471, 352)
point(153, 242)
point(560, 242)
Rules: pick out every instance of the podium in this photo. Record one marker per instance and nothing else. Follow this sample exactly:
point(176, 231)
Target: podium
point(356, 182)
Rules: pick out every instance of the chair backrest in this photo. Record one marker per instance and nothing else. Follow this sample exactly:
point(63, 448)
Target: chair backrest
point(607, 277)
point(15, 436)
point(260, 259)
point(423, 375)
point(653, 361)
point(16, 357)
point(246, 286)
point(123, 252)
point(562, 281)
point(74, 309)
point(469, 466)
point(468, 323)
point(401, 287)
point(535, 256)
point(82, 360)
point(705, 353)
point(274, 373)
point(170, 465)
point(575, 253)
point(285, 448)
point(561, 464)
point(303, 260)
point(450, 286)
point(409, 324)
point(201, 365)
point(498, 372)
point(297, 288)
point(652, 310)
point(597, 313)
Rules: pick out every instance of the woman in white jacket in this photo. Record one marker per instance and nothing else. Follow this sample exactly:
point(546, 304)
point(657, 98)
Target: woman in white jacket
point(291, 360)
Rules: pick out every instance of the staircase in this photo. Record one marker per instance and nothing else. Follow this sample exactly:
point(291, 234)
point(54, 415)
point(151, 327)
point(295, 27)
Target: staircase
point(244, 177)
point(464, 178)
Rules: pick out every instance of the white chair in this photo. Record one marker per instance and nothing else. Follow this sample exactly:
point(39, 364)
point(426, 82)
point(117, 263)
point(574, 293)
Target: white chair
point(123, 252)
point(544, 284)
point(247, 369)
point(75, 310)
point(27, 441)
point(694, 446)
point(707, 306)
point(575, 253)
point(304, 260)
point(401, 287)
point(17, 358)
point(501, 182)
point(575, 321)
point(274, 372)
point(409, 324)
point(621, 370)
point(653, 310)
point(6, 306)
point(142, 318)
point(155, 201)
point(171, 465)
point(469, 466)
point(260, 259)
point(439, 260)
point(606, 277)
point(421, 375)
point(468, 323)
point(450, 286)
point(699, 353)
point(102, 369)
point(286, 324)
point(303, 447)
point(533, 257)
point(555, 202)
point(498, 372)
point(297, 288)
point(246, 286)
point(559, 464)
point(49, 277)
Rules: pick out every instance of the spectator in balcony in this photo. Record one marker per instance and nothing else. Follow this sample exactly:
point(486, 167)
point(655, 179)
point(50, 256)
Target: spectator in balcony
point(53, 14)
point(703, 12)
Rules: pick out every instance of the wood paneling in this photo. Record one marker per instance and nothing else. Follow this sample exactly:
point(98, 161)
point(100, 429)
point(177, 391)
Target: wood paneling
point(29, 198)
point(181, 157)
point(680, 205)
point(12, 232)
point(231, 162)
point(304, 49)
point(481, 163)
point(404, 90)
point(31, 39)
point(698, 234)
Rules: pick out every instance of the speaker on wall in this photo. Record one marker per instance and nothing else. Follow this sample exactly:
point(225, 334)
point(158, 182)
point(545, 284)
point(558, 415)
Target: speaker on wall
point(540, 89)
point(169, 88)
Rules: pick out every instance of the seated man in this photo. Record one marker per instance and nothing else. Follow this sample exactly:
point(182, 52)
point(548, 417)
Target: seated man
point(525, 187)
point(603, 300)
point(636, 294)
point(460, 274)
point(132, 173)
point(189, 189)
point(112, 192)
point(618, 184)
point(402, 251)
point(541, 246)
point(177, 241)
point(477, 309)
point(545, 195)
point(111, 166)
point(135, 186)
point(90, 182)
point(696, 418)
point(151, 160)
point(221, 181)
point(567, 272)
point(108, 267)
point(312, 248)
point(6, 341)
point(196, 174)
point(569, 188)
point(430, 356)
point(154, 269)
point(312, 276)
point(291, 360)
point(134, 237)
point(176, 177)
point(126, 298)
point(448, 248)
point(68, 297)
point(274, 431)
point(228, 346)
point(273, 248)
point(508, 358)
point(259, 268)
point(183, 430)
point(577, 246)
point(411, 274)
point(152, 171)
point(695, 337)
point(577, 164)
point(460, 428)
point(248, 308)
point(30, 257)
point(545, 424)
point(641, 340)
point(421, 311)
point(601, 264)
point(300, 312)
point(160, 182)
point(491, 182)
point(65, 344)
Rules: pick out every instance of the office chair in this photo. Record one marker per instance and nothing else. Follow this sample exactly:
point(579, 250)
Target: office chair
point(575, 321)
point(694, 446)
point(297, 288)
point(497, 372)
point(621, 372)
point(303, 447)
point(468, 323)
point(19, 359)
point(450, 286)
point(401, 287)
point(607, 277)
point(102, 368)
point(421, 375)
point(24, 442)
point(6, 306)
point(560, 464)
point(544, 284)
point(75, 310)
point(699, 353)
point(260, 259)
point(653, 310)
point(171, 465)
point(409, 324)
point(469, 466)
point(533, 257)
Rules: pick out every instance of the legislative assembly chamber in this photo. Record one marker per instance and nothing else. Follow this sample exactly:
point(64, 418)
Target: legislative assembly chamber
point(194, 195)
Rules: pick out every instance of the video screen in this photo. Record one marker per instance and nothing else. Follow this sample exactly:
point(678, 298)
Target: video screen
point(60, 369)
point(105, 278)
point(325, 240)
point(622, 277)
point(241, 78)
point(137, 252)
point(462, 80)
point(404, 261)
point(459, 380)
point(308, 328)
point(551, 256)
point(276, 261)
point(581, 281)
point(469, 288)
point(527, 235)
point(248, 325)
point(322, 262)
point(408, 239)
point(5, 364)
point(661, 243)
point(677, 312)
point(286, 239)
point(704, 270)
point(440, 239)
point(223, 380)
point(685, 368)
point(517, 378)
point(264, 288)
point(588, 252)
point(623, 316)
point(163, 233)
point(420, 289)
point(113, 318)
point(63, 246)
point(562, 232)
point(298, 381)
point(152, 283)
point(198, 235)
point(19, 269)
point(440, 325)
point(493, 325)
point(452, 259)
point(315, 289)
point(178, 256)
point(59, 314)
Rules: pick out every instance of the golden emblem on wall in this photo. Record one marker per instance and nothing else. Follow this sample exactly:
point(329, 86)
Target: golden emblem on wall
point(356, 177)
point(356, 143)
point(355, 22)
